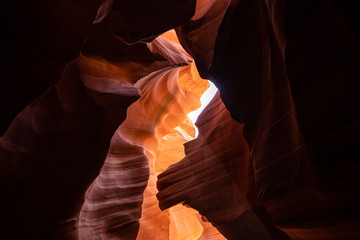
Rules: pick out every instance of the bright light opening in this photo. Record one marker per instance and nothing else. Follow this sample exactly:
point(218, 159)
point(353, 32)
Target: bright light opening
point(205, 99)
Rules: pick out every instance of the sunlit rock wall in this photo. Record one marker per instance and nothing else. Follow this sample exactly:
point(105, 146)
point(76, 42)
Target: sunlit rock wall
point(98, 106)
point(121, 203)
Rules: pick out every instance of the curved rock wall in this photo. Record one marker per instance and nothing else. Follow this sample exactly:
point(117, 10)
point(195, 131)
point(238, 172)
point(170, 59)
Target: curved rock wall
point(278, 146)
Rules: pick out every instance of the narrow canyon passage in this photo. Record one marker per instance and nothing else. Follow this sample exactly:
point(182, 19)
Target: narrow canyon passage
point(105, 133)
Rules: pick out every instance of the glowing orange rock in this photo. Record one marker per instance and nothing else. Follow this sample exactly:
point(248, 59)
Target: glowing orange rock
point(215, 177)
point(158, 124)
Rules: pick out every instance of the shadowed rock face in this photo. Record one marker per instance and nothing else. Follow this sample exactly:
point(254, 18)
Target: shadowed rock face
point(96, 142)
point(54, 154)
point(41, 37)
point(137, 20)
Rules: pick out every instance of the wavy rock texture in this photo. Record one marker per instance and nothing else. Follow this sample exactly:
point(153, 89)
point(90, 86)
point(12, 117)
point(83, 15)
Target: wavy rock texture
point(172, 95)
point(113, 202)
point(284, 110)
point(250, 71)
point(281, 113)
point(112, 208)
point(288, 76)
point(55, 154)
point(216, 177)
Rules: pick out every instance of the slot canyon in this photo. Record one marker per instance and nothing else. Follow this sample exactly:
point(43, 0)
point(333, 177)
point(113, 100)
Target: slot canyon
point(96, 139)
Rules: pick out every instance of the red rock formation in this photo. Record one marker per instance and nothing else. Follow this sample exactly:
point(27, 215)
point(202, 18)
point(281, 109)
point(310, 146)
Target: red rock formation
point(57, 146)
point(250, 73)
point(208, 173)
point(113, 202)
point(216, 176)
point(168, 92)
point(316, 193)
point(288, 76)
point(249, 67)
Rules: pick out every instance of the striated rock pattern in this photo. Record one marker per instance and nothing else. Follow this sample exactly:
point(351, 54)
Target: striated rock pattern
point(98, 97)
point(177, 92)
point(251, 75)
point(216, 176)
point(113, 202)
point(55, 152)
point(112, 207)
